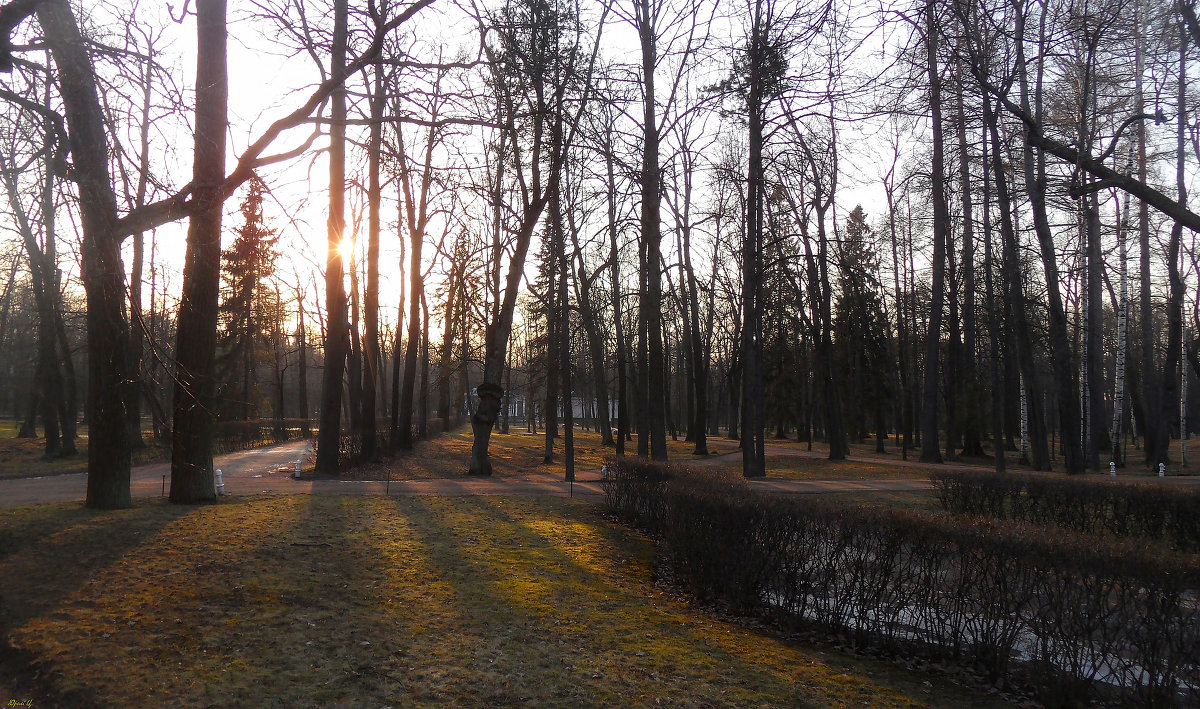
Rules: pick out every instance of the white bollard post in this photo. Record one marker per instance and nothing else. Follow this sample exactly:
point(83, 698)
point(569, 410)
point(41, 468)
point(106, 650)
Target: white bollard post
point(297, 474)
point(1112, 468)
point(220, 482)
point(604, 472)
point(1162, 470)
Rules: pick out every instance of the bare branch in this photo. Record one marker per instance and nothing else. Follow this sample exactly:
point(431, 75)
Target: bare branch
point(12, 15)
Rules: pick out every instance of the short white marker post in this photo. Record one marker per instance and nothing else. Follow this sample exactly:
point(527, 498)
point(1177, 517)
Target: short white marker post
point(1162, 470)
point(220, 482)
point(1112, 468)
point(297, 474)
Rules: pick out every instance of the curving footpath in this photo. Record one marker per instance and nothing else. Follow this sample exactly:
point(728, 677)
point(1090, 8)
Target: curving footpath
point(268, 470)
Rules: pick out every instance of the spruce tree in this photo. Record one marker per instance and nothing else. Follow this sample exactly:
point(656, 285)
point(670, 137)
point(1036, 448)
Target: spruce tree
point(247, 264)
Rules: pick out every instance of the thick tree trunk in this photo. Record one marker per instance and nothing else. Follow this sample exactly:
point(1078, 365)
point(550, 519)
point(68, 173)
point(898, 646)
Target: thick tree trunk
point(336, 334)
point(109, 449)
point(651, 303)
point(195, 349)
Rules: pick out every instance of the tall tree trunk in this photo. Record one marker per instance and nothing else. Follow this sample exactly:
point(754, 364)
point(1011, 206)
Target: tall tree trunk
point(835, 427)
point(137, 330)
point(447, 352)
point(1060, 348)
point(651, 185)
point(1119, 393)
point(423, 399)
point(195, 349)
point(698, 426)
point(1092, 350)
point(109, 449)
point(595, 339)
point(905, 407)
point(753, 433)
point(930, 452)
point(1014, 291)
point(969, 389)
point(554, 254)
point(999, 395)
point(302, 371)
point(336, 333)
point(371, 348)
point(496, 345)
point(47, 399)
point(409, 384)
point(278, 348)
point(1171, 370)
point(615, 271)
point(564, 324)
point(354, 358)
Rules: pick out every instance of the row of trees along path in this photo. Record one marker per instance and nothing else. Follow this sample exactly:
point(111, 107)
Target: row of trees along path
point(696, 150)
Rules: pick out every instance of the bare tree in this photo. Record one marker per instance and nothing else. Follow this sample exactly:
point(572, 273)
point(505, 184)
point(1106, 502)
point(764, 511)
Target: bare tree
point(532, 48)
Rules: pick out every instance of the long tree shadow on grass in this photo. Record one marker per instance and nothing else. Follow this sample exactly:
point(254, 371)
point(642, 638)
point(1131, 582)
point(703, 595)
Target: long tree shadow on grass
point(45, 559)
point(573, 619)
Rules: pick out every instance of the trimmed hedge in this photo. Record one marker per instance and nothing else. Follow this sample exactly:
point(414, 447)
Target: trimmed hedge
point(1123, 509)
point(350, 446)
point(238, 435)
point(1073, 617)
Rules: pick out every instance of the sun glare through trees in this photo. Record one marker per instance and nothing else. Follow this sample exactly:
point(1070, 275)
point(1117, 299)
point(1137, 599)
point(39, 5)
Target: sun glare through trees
point(720, 245)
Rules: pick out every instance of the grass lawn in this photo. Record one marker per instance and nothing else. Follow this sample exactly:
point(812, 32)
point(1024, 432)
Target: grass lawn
point(370, 601)
point(513, 454)
point(22, 457)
